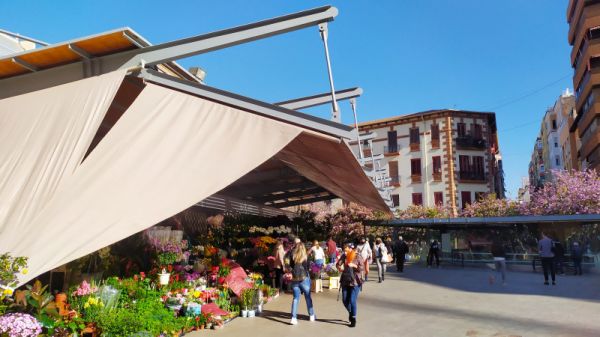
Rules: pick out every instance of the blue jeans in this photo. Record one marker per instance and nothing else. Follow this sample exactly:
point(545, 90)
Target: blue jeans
point(302, 287)
point(332, 258)
point(319, 262)
point(349, 296)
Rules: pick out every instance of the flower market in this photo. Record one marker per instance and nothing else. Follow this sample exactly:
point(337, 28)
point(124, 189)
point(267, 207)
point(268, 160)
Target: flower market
point(121, 220)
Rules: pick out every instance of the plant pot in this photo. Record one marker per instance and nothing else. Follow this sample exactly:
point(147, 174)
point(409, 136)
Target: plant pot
point(334, 282)
point(251, 313)
point(164, 279)
point(316, 285)
point(244, 313)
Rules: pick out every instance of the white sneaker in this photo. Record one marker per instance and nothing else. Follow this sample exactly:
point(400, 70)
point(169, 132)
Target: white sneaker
point(312, 318)
point(294, 321)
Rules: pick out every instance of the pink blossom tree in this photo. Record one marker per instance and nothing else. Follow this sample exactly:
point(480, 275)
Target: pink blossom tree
point(490, 206)
point(570, 192)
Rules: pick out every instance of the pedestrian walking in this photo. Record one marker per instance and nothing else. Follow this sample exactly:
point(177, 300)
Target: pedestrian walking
point(400, 251)
point(350, 281)
point(499, 259)
point(331, 250)
point(545, 248)
point(577, 256)
point(300, 282)
point(434, 252)
point(381, 257)
point(279, 264)
point(366, 254)
point(318, 254)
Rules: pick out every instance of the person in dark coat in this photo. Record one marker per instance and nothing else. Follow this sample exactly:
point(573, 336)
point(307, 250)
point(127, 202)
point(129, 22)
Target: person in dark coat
point(577, 256)
point(400, 251)
point(434, 252)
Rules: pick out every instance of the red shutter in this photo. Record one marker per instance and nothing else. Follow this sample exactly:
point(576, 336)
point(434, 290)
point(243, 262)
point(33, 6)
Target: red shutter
point(417, 199)
point(439, 198)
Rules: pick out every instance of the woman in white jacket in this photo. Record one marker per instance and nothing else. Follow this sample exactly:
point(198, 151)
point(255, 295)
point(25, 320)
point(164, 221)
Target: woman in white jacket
point(381, 257)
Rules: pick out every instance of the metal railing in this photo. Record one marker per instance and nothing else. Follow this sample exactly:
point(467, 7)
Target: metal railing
point(471, 175)
point(391, 149)
point(470, 142)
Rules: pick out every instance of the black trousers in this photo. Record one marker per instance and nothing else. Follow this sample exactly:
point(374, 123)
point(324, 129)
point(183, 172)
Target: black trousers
point(400, 262)
point(279, 278)
point(430, 257)
point(577, 263)
point(548, 265)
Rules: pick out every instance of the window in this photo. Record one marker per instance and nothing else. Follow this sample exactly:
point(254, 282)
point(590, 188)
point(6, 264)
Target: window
point(439, 198)
point(477, 131)
point(414, 136)
point(417, 199)
point(435, 134)
point(415, 167)
point(395, 200)
point(478, 165)
point(437, 164)
point(393, 172)
point(461, 129)
point(557, 160)
point(392, 142)
point(466, 198)
point(463, 163)
point(554, 124)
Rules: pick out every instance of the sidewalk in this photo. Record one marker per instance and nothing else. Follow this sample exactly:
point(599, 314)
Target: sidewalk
point(442, 302)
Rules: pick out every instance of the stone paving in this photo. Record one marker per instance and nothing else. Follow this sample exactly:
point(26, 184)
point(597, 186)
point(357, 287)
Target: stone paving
point(445, 302)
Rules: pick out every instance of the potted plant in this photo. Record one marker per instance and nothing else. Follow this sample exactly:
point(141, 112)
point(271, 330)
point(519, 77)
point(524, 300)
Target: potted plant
point(247, 298)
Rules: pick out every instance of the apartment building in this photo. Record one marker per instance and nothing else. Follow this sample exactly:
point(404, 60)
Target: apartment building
point(437, 157)
point(555, 147)
point(583, 17)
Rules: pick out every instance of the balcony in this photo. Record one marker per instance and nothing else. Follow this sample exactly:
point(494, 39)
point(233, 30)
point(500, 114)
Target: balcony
point(415, 147)
point(471, 176)
point(391, 150)
point(435, 143)
point(367, 152)
point(437, 176)
point(415, 178)
point(469, 142)
point(395, 181)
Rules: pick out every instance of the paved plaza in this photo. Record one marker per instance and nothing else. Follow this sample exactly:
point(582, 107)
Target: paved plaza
point(445, 302)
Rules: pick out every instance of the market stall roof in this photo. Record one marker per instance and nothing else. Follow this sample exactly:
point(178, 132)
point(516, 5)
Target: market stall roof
point(78, 50)
point(489, 222)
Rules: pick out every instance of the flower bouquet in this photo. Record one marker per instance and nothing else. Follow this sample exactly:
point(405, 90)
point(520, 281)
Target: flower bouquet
point(19, 325)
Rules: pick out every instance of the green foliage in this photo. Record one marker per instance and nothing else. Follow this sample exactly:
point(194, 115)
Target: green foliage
point(224, 270)
point(247, 298)
point(224, 301)
point(10, 267)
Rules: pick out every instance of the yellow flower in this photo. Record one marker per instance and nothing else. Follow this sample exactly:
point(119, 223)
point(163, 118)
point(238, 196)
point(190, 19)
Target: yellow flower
point(86, 305)
point(8, 292)
point(197, 293)
point(24, 271)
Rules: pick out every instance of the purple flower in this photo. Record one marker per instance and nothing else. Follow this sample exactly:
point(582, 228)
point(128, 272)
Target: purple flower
point(19, 325)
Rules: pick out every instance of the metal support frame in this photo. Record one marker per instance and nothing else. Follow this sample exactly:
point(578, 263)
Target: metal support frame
point(166, 52)
point(248, 104)
point(320, 99)
point(353, 105)
point(335, 114)
point(24, 64)
point(82, 53)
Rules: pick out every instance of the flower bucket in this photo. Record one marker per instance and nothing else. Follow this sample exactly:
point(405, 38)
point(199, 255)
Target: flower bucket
point(244, 313)
point(251, 313)
point(164, 278)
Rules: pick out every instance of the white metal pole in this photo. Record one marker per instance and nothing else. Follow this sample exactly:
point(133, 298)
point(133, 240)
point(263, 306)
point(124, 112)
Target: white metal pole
point(336, 112)
point(353, 105)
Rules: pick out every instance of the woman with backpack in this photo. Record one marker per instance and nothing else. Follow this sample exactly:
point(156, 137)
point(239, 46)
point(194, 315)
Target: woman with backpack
point(381, 257)
point(351, 265)
point(300, 281)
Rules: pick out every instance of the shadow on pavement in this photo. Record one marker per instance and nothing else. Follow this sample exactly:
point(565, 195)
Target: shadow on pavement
point(284, 318)
point(518, 282)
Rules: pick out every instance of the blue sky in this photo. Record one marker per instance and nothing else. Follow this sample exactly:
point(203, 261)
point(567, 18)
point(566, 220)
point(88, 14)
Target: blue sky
point(408, 56)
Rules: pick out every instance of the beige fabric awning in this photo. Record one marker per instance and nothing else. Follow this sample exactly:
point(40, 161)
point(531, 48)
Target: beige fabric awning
point(167, 152)
point(332, 165)
point(44, 136)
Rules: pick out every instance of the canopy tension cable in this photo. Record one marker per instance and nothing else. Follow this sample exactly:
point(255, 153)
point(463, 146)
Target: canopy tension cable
point(335, 113)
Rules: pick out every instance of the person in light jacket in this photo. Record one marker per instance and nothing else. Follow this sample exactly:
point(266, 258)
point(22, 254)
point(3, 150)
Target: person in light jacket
point(366, 255)
point(279, 264)
point(381, 257)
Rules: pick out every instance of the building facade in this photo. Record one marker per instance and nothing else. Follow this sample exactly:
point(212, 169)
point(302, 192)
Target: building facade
point(555, 147)
point(583, 17)
point(438, 157)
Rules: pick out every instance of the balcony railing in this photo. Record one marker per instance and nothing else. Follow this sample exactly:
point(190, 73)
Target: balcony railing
point(415, 146)
point(471, 175)
point(470, 142)
point(395, 181)
point(582, 84)
point(437, 176)
point(415, 178)
point(391, 149)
